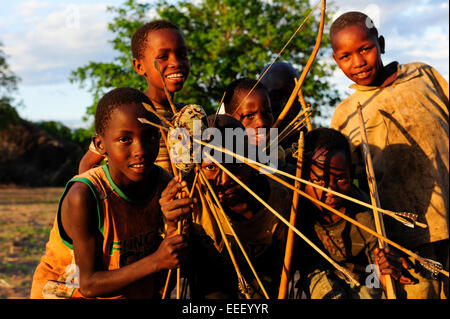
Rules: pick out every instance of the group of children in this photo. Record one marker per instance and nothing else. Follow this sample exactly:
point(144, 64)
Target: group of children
point(115, 234)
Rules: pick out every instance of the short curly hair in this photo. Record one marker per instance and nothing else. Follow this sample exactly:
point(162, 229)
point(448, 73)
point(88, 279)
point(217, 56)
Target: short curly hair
point(352, 18)
point(327, 139)
point(113, 100)
point(237, 90)
point(139, 39)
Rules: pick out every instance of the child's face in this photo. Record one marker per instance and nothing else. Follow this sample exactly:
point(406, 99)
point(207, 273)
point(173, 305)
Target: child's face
point(131, 146)
point(168, 47)
point(334, 175)
point(228, 191)
point(255, 112)
point(358, 54)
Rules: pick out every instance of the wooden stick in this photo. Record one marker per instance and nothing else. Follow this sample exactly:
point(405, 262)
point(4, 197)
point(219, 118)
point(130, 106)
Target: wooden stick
point(169, 273)
point(218, 108)
point(145, 121)
point(191, 193)
point(301, 99)
point(374, 233)
point(293, 123)
point(174, 111)
point(379, 224)
point(159, 116)
point(170, 270)
point(166, 91)
point(166, 284)
point(367, 229)
point(266, 168)
point(287, 259)
point(296, 127)
point(221, 210)
point(286, 271)
point(273, 211)
point(222, 232)
point(357, 201)
point(278, 55)
point(175, 172)
point(274, 170)
point(179, 195)
point(305, 71)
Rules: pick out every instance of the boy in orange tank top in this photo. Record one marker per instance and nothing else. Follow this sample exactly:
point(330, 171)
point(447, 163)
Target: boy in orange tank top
point(108, 239)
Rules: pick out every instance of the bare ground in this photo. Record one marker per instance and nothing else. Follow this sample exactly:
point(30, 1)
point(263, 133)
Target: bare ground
point(26, 217)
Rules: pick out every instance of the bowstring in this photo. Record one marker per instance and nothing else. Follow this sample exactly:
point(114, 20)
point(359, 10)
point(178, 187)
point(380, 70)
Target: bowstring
point(278, 55)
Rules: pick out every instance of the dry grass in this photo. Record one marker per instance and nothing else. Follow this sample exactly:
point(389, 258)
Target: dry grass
point(26, 217)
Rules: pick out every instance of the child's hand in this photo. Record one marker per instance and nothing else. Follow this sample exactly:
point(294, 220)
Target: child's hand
point(391, 264)
point(169, 253)
point(173, 208)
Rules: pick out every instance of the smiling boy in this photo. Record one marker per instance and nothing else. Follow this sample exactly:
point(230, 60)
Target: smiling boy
point(160, 41)
point(107, 240)
point(252, 110)
point(406, 108)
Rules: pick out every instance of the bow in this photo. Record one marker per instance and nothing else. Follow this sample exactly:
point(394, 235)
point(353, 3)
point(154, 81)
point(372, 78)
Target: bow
point(305, 71)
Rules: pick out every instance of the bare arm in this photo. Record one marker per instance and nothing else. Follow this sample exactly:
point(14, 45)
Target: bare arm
point(89, 160)
point(79, 219)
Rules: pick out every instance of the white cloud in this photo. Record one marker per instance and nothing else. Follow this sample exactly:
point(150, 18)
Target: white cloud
point(432, 48)
point(64, 38)
point(30, 8)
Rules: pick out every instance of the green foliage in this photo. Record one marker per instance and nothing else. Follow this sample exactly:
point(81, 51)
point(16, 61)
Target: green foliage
point(82, 137)
point(8, 113)
point(8, 80)
point(226, 39)
point(55, 128)
point(100, 77)
point(79, 136)
point(8, 85)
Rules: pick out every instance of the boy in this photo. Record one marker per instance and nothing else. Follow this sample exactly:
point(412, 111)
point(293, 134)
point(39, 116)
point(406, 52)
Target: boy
point(162, 41)
point(106, 240)
point(327, 163)
point(260, 232)
point(406, 112)
point(254, 112)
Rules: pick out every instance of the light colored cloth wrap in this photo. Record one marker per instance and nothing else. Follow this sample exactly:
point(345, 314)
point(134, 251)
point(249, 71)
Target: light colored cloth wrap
point(407, 130)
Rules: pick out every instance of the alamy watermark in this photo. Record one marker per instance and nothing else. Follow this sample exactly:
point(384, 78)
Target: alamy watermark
point(373, 278)
point(73, 276)
point(72, 14)
point(195, 147)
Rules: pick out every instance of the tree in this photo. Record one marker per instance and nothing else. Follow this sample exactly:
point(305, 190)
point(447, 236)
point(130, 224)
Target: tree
point(80, 136)
point(226, 39)
point(8, 85)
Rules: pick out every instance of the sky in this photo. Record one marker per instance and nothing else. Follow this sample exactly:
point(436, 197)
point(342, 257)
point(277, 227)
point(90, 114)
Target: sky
point(45, 40)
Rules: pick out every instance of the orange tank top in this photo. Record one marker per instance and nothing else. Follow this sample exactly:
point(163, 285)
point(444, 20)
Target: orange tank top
point(130, 231)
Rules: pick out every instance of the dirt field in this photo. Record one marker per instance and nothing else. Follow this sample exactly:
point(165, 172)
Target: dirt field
point(26, 217)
